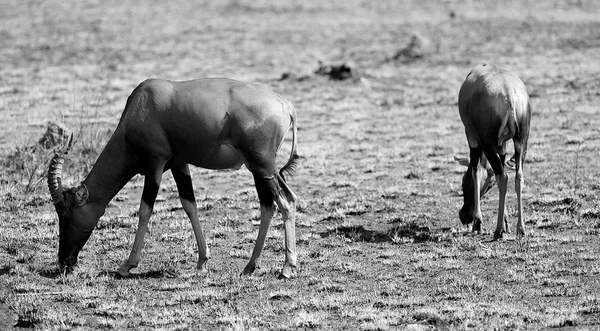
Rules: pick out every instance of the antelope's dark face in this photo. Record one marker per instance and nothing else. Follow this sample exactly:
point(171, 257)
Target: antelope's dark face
point(75, 223)
point(467, 212)
point(75, 218)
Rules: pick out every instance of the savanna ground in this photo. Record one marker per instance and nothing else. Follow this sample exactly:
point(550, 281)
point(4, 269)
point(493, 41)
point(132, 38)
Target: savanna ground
point(380, 244)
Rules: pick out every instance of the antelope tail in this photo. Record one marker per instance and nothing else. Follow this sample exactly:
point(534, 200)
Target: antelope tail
point(290, 167)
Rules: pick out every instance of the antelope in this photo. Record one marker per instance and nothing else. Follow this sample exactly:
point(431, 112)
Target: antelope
point(213, 123)
point(494, 107)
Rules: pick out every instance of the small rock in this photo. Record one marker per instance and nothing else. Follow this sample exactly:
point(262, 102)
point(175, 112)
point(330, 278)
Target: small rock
point(416, 49)
point(56, 134)
point(335, 72)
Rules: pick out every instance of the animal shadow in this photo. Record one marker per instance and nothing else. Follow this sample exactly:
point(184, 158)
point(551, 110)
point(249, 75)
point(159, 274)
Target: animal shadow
point(152, 274)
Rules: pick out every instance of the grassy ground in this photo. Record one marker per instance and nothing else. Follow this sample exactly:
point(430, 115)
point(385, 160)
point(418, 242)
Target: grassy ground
point(380, 244)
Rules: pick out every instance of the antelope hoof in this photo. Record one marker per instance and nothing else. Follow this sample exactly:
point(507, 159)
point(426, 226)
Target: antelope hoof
point(249, 269)
point(124, 269)
point(123, 272)
point(286, 272)
point(202, 270)
point(201, 266)
point(498, 235)
point(476, 226)
point(520, 233)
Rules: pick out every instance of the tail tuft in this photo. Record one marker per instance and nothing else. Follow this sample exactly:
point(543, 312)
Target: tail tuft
point(290, 168)
point(292, 164)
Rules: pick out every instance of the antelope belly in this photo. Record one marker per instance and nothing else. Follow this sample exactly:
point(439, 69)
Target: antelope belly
point(226, 157)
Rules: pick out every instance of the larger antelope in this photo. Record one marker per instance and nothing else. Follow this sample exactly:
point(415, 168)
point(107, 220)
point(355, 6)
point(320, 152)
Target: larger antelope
point(213, 123)
point(494, 107)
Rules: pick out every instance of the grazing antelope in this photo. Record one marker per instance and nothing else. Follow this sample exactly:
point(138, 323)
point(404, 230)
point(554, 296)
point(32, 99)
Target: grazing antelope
point(213, 123)
point(494, 107)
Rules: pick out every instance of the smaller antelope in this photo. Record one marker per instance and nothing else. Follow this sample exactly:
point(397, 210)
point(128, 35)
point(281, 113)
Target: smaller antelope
point(494, 107)
point(214, 123)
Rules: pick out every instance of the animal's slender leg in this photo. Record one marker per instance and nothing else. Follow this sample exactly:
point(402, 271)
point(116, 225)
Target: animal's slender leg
point(506, 228)
point(475, 155)
point(267, 189)
point(497, 163)
point(188, 201)
point(502, 180)
point(151, 185)
point(519, 190)
point(286, 200)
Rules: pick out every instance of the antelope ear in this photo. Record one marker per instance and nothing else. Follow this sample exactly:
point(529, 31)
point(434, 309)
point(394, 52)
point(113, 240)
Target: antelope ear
point(81, 195)
point(463, 161)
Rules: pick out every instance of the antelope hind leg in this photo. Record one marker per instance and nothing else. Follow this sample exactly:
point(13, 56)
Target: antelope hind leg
point(286, 201)
point(502, 180)
point(266, 213)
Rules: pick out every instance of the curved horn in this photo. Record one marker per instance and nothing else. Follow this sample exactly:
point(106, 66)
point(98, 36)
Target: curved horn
point(55, 172)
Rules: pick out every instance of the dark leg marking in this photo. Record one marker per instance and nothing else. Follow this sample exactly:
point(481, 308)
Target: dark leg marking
point(184, 184)
point(267, 190)
point(150, 192)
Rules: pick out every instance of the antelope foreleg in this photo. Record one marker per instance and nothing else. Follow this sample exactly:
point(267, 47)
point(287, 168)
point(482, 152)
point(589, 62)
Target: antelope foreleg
point(185, 187)
point(151, 184)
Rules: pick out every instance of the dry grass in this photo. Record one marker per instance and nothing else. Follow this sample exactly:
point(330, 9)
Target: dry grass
point(380, 245)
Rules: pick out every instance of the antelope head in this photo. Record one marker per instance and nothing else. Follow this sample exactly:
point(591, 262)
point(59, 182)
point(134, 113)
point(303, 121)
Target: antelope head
point(466, 213)
point(74, 215)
